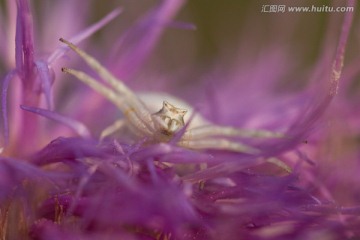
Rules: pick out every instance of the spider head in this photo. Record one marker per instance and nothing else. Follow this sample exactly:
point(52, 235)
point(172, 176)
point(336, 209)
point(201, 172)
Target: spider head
point(170, 118)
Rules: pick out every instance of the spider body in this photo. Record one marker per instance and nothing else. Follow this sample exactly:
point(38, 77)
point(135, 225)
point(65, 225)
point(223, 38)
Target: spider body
point(161, 125)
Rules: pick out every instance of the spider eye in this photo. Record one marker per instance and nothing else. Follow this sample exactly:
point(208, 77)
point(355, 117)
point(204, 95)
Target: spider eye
point(182, 112)
point(166, 104)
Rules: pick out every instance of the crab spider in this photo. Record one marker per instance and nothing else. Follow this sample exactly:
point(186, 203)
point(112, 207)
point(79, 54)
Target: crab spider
point(162, 125)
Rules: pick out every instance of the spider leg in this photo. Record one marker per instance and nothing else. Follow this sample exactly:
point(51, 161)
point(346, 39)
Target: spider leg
point(218, 144)
point(101, 70)
point(224, 131)
point(115, 83)
point(128, 110)
point(224, 144)
point(204, 137)
point(117, 125)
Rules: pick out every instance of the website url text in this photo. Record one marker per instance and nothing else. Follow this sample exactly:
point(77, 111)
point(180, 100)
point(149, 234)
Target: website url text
point(308, 9)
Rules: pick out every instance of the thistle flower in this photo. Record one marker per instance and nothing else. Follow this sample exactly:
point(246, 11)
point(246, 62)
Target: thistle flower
point(63, 181)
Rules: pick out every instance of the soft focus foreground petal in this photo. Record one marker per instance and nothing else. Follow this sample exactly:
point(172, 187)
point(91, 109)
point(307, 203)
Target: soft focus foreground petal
point(164, 207)
point(110, 199)
point(162, 211)
point(223, 169)
point(66, 149)
point(264, 207)
point(13, 173)
point(136, 44)
point(76, 126)
point(258, 194)
point(44, 229)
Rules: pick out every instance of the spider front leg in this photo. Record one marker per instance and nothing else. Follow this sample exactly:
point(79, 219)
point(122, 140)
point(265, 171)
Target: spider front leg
point(138, 116)
point(119, 101)
point(119, 87)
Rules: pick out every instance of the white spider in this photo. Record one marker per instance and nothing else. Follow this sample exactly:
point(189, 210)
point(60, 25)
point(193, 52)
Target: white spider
point(162, 125)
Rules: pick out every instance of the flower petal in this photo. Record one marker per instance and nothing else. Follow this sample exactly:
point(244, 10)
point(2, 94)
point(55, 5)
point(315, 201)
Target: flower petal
point(76, 126)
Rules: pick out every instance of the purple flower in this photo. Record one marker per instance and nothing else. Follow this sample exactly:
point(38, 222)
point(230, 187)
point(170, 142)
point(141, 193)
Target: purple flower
point(60, 180)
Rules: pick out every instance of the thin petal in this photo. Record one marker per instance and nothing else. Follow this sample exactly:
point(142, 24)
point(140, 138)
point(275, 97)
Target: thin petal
point(60, 51)
point(24, 40)
point(4, 110)
point(340, 51)
point(76, 126)
point(302, 127)
point(135, 46)
point(66, 149)
point(46, 80)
